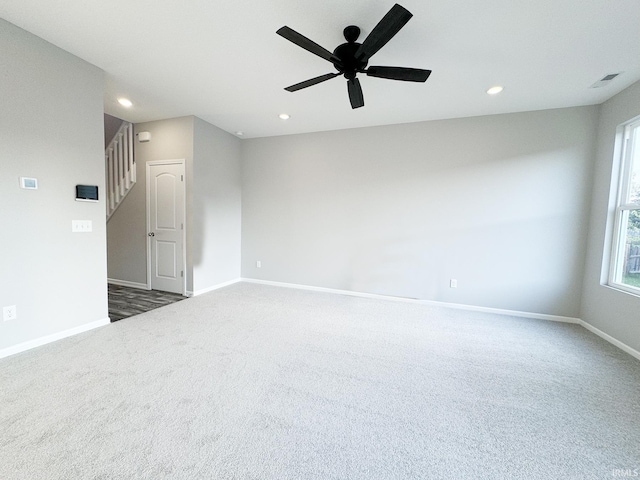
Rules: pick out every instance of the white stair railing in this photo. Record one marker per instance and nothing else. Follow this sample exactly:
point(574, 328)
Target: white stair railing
point(120, 167)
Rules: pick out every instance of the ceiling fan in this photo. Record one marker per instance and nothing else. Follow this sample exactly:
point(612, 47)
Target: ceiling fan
point(352, 57)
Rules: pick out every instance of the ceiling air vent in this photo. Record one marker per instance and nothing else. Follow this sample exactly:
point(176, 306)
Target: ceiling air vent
point(605, 80)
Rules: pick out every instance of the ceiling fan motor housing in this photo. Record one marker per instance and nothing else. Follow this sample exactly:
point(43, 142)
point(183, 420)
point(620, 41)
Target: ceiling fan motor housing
point(349, 65)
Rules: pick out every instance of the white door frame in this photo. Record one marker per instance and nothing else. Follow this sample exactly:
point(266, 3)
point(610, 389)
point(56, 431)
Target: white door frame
point(180, 161)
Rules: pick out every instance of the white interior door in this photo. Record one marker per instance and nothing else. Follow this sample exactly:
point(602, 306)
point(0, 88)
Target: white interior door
point(165, 223)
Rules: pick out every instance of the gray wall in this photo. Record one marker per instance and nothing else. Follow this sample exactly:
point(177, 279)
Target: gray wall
point(615, 313)
point(216, 206)
point(500, 203)
point(51, 128)
point(213, 204)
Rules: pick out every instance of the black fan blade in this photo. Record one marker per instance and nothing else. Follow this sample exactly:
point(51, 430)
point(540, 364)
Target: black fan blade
point(391, 23)
point(355, 93)
point(399, 73)
point(312, 81)
point(307, 44)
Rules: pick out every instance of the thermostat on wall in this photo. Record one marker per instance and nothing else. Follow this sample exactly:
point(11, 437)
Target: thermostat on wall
point(29, 183)
point(86, 193)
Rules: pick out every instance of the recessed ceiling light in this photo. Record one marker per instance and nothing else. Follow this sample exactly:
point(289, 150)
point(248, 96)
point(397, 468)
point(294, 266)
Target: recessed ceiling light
point(495, 90)
point(284, 116)
point(125, 102)
point(239, 133)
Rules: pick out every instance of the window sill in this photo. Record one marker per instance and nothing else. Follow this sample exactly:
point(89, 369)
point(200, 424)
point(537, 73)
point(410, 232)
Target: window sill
point(633, 291)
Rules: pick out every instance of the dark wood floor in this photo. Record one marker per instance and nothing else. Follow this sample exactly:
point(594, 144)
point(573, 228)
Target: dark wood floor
point(126, 302)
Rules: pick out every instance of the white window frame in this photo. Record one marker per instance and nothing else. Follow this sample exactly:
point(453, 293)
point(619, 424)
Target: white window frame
point(623, 207)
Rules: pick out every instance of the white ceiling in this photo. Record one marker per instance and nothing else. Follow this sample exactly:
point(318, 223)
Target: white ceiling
point(222, 60)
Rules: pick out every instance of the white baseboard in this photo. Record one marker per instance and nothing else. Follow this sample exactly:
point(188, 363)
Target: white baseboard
point(22, 347)
point(212, 288)
point(622, 346)
point(541, 316)
point(126, 283)
point(501, 311)
point(459, 306)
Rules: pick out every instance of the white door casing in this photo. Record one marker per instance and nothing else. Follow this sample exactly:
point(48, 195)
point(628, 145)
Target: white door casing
point(165, 226)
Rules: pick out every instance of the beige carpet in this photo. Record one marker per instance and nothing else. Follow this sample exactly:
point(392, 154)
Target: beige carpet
point(258, 382)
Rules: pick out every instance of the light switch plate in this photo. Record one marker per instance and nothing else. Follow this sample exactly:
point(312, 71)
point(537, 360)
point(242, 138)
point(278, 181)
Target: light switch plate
point(81, 226)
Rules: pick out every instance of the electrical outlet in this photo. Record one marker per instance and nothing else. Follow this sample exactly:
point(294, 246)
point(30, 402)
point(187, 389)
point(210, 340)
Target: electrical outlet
point(9, 313)
point(259, 264)
point(453, 283)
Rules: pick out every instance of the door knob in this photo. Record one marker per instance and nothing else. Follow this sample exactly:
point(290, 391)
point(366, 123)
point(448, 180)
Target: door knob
point(152, 234)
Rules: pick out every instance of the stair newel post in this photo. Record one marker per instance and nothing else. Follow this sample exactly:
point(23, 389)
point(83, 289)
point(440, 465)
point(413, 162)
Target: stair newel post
point(126, 160)
point(111, 181)
point(121, 171)
point(132, 166)
point(106, 182)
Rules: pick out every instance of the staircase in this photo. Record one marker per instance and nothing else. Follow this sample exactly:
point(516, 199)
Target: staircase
point(120, 167)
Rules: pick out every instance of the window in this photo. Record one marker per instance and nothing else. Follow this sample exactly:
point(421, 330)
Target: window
point(625, 265)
